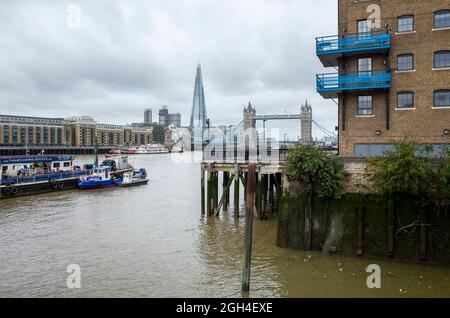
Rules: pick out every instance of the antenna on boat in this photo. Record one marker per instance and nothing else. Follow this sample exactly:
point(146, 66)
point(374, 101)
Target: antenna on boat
point(95, 152)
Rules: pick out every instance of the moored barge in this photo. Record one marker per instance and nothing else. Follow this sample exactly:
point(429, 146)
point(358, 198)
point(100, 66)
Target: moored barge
point(27, 175)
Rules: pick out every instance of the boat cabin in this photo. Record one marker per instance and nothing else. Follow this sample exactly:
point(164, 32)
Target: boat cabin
point(104, 172)
point(17, 166)
point(117, 163)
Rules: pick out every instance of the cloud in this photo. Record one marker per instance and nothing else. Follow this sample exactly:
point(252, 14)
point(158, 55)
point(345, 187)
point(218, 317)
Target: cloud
point(131, 55)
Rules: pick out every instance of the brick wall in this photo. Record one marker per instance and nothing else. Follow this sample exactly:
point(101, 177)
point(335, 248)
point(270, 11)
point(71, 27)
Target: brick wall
point(424, 123)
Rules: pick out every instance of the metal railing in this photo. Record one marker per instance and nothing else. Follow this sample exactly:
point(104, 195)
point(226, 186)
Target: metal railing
point(353, 81)
point(376, 39)
point(44, 177)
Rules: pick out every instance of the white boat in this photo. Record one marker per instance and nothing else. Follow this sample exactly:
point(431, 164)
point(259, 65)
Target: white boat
point(149, 149)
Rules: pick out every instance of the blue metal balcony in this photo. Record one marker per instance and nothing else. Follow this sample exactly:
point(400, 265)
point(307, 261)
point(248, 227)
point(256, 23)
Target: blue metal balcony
point(330, 48)
point(330, 85)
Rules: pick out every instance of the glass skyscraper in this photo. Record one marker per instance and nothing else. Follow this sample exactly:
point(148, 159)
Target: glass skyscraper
point(198, 113)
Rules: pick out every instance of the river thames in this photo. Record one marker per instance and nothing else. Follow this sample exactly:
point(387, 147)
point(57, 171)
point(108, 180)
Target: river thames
point(151, 241)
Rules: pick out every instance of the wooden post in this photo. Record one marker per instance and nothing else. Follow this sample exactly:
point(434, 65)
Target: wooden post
point(245, 184)
point(226, 176)
point(225, 193)
point(202, 187)
point(271, 185)
point(215, 191)
point(259, 186)
point(264, 194)
point(236, 192)
point(209, 194)
point(248, 227)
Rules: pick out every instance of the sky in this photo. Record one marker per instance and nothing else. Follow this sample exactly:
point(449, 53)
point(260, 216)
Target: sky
point(116, 58)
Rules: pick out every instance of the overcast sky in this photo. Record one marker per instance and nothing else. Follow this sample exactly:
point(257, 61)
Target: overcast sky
point(129, 55)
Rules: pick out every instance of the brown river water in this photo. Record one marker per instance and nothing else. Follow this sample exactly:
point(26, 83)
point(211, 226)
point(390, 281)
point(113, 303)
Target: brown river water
point(151, 241)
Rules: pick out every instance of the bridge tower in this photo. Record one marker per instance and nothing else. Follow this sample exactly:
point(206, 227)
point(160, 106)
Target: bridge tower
point(249, 117)
point(306, 123)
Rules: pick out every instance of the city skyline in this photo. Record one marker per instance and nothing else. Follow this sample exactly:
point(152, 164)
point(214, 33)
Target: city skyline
point(125, 58)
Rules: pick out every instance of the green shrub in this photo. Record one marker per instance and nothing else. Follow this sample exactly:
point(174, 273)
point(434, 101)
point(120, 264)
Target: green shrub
point(319, 173)
point(405, 169)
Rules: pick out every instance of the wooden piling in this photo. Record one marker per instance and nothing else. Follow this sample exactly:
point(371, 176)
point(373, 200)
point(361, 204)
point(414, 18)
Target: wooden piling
point(271, 200)
point(215, 190)
point(259, 187)
point(209, 194)
point(236, 192)
point(248, 227)
point(226, 190)
point(202, 189)
point(226, 176)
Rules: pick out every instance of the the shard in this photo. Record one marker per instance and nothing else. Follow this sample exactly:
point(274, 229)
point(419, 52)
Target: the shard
point(198, 113)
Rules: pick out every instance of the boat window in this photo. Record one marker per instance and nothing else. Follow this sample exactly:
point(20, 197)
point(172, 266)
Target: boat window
point(56, 164)
point(66, 164)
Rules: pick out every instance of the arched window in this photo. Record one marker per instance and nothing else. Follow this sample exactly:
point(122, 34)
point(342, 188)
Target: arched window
point(442, 98)
point(442, 59)
point(442, 19)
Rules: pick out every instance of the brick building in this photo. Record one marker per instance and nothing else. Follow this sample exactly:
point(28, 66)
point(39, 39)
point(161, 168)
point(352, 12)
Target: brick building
point(23, 130)
point(76, 131)
point(393, 76)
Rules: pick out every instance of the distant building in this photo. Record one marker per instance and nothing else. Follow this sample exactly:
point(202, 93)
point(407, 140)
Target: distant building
point(166, 119)
point(75, 131)
point(249, 117)
point(198, 113)
point(306, 124)
point(148, 116)
point(164, 116)
point(175, 119)
point(159, 133)
point(22, 130)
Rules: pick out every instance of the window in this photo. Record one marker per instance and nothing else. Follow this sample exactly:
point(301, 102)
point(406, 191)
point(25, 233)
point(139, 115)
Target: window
point(66, 164)
point(442, 19)
point(442, 59)
point(6, 134)
point(364, 27)
point(22, 135)
point(405, 23)
point(405, 62)
point(30, 135)
point(364, 66)
point(57, 165)
point(405, 100)
point(442, 98)
point(15, 135)
point(45, 133)
point(365, 105)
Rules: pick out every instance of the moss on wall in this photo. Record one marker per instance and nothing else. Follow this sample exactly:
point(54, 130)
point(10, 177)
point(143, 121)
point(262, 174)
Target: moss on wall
point(358, 224)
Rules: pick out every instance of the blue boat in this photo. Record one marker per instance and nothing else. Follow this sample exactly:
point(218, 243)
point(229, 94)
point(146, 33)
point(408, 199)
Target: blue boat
point(28, 175)
point(101, 177)
point(133, 179)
